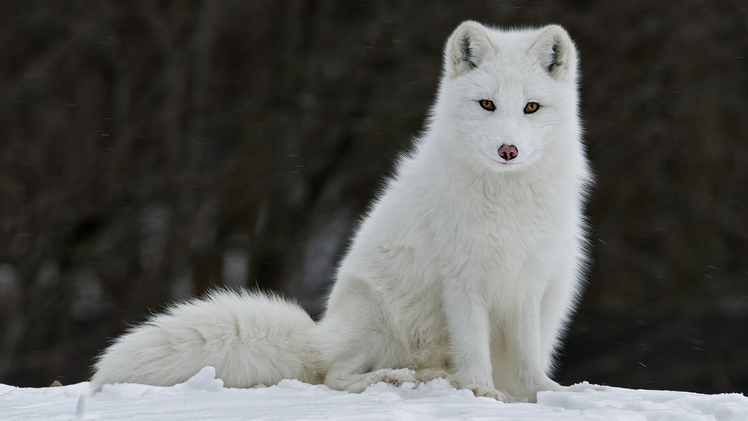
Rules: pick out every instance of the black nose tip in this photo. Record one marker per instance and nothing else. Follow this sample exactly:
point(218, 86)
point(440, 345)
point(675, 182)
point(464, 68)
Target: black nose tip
point(508, 152)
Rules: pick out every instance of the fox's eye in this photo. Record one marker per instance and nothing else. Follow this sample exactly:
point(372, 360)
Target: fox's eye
point(487, 104)
point(531, 107)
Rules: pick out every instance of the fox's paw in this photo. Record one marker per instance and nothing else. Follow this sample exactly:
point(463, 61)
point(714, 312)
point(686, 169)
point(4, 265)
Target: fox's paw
point(532, 389)
point(479, 385)
point(488, 392)
point(395, 377)
point(427, 374)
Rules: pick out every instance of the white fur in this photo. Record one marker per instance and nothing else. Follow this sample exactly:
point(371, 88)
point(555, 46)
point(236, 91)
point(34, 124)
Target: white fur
point(229, 331)
point(466, 267)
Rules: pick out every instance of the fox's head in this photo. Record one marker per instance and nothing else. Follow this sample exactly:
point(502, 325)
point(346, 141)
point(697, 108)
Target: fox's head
point(508, 97)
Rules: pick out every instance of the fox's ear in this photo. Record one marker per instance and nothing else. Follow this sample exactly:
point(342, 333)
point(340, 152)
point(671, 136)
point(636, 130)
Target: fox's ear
point(556, 53)
point(466, 48)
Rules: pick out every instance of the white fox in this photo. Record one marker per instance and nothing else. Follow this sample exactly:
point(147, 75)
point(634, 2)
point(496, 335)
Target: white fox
point(467, 267)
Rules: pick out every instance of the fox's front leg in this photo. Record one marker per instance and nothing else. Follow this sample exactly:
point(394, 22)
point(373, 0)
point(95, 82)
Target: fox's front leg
point(468, 329)
point(524, 350)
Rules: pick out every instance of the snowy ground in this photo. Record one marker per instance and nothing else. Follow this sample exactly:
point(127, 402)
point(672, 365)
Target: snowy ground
point(203, 397)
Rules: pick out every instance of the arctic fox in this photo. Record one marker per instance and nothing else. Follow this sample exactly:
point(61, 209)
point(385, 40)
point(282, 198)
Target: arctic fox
point(467, 266)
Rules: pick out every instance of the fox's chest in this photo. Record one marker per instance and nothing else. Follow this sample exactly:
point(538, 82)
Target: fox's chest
point(503, 237)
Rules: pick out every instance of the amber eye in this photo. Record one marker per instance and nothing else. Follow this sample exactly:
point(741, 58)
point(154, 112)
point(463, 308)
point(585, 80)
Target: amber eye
point(487, 104)
point(531, 107)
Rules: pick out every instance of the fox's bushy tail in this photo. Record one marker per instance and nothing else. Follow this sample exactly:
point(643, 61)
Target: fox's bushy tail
point(250, 338)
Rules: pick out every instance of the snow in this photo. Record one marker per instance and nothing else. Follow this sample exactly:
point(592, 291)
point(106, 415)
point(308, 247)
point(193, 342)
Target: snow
point(204, 397)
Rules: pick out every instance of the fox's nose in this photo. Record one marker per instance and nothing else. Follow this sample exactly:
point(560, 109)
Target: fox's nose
point(508, 152)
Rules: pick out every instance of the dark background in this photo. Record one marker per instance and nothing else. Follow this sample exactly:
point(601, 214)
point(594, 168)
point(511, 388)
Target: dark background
point(151, 150)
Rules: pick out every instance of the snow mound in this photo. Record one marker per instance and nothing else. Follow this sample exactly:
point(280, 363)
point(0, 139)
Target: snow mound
point(197, 399)
point(652, 405)
point(204, 380)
